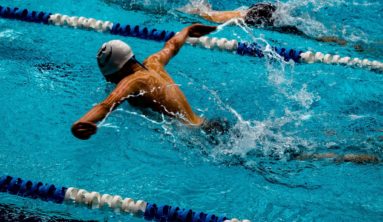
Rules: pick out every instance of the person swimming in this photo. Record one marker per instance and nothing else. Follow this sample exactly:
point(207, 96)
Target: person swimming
point(260, 15)
point(146, 85)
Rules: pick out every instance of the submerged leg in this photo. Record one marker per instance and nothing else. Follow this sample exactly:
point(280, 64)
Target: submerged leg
point(354, 158)
point(332, 39)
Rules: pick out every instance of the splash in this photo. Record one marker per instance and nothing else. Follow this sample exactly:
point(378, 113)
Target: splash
point(299, 13)
point(268, 137)
point(252, 144)
point(316, 5)
point(196, 7)
point(249, 138)
point(157, 7)
point(267, 49)
point(291, 14)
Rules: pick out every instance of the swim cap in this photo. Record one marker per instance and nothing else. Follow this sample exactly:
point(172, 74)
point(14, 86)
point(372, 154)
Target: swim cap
point(112, 56)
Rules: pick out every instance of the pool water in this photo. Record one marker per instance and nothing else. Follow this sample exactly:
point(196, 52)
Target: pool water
point(49, 79)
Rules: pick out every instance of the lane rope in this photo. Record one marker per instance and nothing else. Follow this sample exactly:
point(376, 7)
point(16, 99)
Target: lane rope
point(94, 200)
point(222, 44)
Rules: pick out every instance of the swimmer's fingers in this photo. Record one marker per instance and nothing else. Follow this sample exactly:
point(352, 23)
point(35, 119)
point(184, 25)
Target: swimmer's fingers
point(84, 130)
point(198, 30)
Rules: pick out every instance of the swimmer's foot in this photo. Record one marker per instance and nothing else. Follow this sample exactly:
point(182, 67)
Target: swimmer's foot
point(353, 158)
point(358, 158)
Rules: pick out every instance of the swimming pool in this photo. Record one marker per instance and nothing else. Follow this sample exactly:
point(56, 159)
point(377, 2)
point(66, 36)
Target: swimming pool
point(50, 78)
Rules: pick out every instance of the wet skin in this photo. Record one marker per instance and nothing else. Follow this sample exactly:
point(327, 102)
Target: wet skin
point(151, 88)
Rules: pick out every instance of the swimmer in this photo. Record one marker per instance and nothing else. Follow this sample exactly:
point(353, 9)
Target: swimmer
point(258, 15)
point(146, 85)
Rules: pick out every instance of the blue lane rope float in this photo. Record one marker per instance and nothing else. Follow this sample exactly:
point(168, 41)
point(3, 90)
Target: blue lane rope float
point(24, 15)
point(94, 200)
point(223, 44)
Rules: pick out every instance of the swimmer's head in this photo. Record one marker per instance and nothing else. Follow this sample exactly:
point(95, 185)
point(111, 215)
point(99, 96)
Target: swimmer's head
point(115, 59)
point(260, 14)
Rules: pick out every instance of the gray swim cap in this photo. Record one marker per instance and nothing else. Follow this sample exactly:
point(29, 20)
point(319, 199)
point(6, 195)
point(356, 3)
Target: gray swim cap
point(112, 56)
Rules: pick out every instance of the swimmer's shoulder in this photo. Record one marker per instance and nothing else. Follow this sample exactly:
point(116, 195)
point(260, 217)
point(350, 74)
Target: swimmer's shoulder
point(152, 60)
point(153, 63)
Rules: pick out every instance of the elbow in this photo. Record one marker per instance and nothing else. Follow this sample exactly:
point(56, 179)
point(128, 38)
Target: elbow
point(170, 44)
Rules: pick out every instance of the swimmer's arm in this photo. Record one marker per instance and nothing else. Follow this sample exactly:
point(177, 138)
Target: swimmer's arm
point(222, 16)
point(174, 44)
point(85, 127)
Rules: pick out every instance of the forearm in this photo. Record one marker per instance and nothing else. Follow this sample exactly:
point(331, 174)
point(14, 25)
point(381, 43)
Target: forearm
point(85, 127)
point(124, 88)
point(176, 43)
point(222, 16)
point(96, 114)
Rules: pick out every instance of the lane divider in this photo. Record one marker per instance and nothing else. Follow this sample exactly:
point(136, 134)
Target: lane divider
point(95, 200)
point(222, 44)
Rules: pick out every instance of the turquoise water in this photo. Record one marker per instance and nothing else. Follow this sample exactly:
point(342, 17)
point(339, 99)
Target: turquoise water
point(50, 79)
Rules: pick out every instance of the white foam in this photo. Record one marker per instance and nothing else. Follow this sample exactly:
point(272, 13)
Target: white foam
point(355, 117)
point(267, 136)
point(9, 34)
point(196, 7)
point(305, 98)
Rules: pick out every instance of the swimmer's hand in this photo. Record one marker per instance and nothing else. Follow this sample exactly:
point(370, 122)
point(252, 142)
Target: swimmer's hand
point(198, 30)
point(84, 130)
